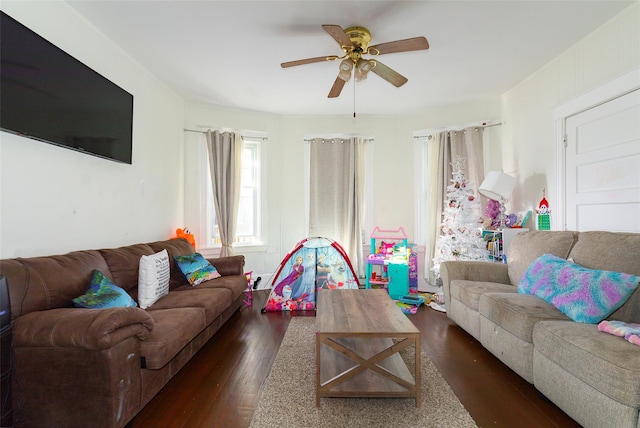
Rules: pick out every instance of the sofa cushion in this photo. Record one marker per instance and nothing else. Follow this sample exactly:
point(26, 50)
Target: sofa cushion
point(585, 295)
point(517, 313)
point(607, 363)
point(212, 301)
point(173, 330)
point(195, 268)
point(124, 263)
point(528, 246)
point(103, 293)
point(41, 283)
point(153, 278)
point(236, 284)
point(612, 251)
point(469, 292)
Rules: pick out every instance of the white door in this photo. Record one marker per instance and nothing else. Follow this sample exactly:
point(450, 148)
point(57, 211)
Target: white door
point(603, 166)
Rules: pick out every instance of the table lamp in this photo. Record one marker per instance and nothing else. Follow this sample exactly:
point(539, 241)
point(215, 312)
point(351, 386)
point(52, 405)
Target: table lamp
point(498, 186)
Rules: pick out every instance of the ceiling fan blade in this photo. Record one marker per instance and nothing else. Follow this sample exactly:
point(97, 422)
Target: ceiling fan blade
point(308, 61)
point(336, 88)
point(391, 76)
point(413, 44)
point(338, 34)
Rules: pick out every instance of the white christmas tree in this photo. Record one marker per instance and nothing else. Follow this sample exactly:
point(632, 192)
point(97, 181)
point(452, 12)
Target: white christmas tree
point(461, 229)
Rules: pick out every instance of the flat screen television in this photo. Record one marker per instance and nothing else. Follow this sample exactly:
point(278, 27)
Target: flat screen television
point(48, 95)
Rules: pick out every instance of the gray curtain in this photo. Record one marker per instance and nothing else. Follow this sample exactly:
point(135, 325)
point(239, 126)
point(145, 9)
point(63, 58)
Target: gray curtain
point(466, 143)
point(336, 194)
point(225, 164)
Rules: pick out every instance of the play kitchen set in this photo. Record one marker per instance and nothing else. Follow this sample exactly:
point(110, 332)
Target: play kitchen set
point(393, 265)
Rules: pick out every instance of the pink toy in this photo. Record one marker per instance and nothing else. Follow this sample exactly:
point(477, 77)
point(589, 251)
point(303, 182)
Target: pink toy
point(385, 247)
point(249, 291)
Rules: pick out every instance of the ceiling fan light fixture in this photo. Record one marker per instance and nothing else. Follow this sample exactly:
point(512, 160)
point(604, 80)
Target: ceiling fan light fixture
point(354, 42)
point(346, 65)
point(362, 69)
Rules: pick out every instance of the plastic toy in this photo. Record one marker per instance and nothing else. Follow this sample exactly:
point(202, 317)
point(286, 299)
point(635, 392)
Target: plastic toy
point(392, 248)
point(433, 297)
point(249, 291)
point(407, 309)
point(412, 300)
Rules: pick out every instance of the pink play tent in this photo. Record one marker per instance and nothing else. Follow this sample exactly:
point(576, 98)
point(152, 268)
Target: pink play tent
point(313, 264)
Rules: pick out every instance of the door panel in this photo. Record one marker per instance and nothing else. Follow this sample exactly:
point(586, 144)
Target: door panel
point(603, 166)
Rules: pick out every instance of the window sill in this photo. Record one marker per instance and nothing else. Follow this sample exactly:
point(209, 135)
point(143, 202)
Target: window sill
point(238, 249)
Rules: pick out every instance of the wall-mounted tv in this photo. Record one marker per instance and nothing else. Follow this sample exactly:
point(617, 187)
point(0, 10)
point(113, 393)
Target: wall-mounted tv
point(48, 95)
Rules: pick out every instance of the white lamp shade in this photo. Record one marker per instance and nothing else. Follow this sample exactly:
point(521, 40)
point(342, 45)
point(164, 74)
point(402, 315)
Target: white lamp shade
point(362, 69)
point(497, 186)
point(345, 69)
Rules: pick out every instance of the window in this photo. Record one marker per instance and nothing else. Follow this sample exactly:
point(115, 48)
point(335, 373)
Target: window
point(248, 227)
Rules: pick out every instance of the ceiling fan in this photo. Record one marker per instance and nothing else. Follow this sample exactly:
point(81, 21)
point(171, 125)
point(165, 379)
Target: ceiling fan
point(354, 41)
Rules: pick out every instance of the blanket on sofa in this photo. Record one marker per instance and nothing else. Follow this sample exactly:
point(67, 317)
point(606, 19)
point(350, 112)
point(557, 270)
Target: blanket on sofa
point(629, 331)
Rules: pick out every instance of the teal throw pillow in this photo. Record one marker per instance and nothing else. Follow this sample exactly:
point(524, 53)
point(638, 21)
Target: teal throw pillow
point(196, 268)
point(584, 295)
point(103, 293)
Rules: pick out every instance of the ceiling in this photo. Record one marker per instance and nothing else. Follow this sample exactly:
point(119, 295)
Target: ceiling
point(229, 52)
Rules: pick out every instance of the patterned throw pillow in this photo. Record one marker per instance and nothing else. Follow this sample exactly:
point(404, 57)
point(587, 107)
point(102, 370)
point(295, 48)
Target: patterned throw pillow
point(196, 268)
point(153, 278)
point(584, 295)
point(103, 293)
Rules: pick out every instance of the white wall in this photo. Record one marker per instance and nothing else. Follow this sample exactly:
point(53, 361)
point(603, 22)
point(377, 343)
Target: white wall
point(393, 181)
point(54, 200)
point(529, 135)
point(525, 145)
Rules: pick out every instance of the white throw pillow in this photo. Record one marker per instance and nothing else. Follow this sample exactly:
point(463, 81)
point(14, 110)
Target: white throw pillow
point(153, 279)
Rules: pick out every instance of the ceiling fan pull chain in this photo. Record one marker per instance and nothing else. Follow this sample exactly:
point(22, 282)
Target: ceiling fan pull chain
point(354, 99)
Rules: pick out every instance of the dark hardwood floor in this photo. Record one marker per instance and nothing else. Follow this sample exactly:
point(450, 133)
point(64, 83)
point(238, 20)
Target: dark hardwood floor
point(221, 385)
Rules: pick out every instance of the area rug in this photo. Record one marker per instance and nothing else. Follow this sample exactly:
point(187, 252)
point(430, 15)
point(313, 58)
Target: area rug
point(288, 398)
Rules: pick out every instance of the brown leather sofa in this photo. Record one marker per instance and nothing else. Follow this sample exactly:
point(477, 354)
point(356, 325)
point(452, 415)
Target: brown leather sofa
point(99, 367)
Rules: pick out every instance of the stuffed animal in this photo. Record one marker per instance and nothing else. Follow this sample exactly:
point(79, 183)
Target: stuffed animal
point(511, 221)
point(184, 233)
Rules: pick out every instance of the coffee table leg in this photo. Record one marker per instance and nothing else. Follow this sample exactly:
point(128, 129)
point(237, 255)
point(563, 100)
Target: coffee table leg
point(418, 372)
point(317, 370)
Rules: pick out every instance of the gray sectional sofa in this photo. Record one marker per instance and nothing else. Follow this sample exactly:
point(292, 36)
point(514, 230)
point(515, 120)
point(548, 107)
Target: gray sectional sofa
point(591, 375)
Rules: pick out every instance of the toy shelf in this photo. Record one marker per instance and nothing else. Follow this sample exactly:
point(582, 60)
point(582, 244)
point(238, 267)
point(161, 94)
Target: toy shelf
point(498, 242)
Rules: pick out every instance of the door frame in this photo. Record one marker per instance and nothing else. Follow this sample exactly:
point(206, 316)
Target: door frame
point(621, 85)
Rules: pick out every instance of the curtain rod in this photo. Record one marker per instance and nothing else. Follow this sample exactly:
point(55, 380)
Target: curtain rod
point(429, 137)
point(309, 140)
point(243, 136)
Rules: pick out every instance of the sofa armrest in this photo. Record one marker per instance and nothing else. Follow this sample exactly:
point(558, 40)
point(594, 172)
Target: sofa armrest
point(231, 265)
point(89, 329)
point(472, 271)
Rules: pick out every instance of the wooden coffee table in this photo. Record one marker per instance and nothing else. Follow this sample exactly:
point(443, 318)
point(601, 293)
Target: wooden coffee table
point(356, 355)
